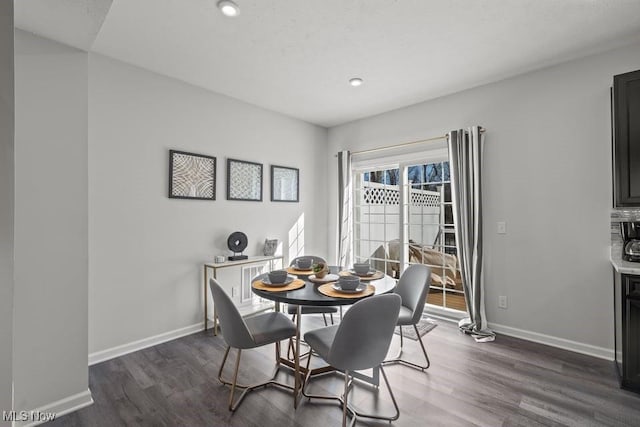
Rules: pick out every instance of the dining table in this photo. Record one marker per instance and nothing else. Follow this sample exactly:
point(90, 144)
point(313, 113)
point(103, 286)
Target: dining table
point(308, 290)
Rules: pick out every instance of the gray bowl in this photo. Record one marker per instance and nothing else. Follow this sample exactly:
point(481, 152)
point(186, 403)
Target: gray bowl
point(361, 267)
point(278, 276)
point(349, 283)
point(304, 264)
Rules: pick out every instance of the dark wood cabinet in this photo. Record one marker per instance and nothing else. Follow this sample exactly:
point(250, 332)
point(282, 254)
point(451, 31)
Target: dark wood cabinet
point(626, 138)
point(627, 330)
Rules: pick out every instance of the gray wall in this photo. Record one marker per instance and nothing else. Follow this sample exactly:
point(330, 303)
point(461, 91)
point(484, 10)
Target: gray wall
point(146, 250)
point(50, 320)
point(548, 175)
point(6, 204)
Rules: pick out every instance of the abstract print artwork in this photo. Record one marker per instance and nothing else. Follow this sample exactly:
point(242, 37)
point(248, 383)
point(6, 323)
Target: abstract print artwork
point(284, 184)
point(191, 176)
point(270, 247)
point(244, 180)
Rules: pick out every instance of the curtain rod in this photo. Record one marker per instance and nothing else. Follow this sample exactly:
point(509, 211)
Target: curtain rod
point(404, 144)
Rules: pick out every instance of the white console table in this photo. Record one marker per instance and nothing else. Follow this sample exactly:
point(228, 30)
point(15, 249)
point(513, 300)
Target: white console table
point(215, 266)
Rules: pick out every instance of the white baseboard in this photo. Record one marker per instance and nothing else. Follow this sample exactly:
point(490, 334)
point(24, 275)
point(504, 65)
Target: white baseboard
point(110, 353)
point(575, 346)
point(59, 408)
point(578, 347)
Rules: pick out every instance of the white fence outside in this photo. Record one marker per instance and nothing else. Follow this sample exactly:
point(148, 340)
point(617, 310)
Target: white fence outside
point(377, 216)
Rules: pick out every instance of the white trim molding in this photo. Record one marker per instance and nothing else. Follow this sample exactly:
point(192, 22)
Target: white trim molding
point(444, 313)
point(575, 346)
point(110, 353)
point(55, 409)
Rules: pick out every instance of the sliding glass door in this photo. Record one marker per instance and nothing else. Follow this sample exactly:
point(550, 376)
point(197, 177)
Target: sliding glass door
point(403, 215)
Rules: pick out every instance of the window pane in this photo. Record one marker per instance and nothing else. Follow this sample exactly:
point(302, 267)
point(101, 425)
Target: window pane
point(446, 190)
point(433, 172)
point(446, 175)
point(448, 214)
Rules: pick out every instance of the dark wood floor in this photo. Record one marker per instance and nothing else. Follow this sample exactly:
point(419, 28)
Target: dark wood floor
point(509, 382)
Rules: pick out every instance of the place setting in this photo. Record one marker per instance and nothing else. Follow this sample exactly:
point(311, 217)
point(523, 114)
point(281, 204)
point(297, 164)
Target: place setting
point(302, 267)
point(347, 286)
point(278, 281)
point(362, 270)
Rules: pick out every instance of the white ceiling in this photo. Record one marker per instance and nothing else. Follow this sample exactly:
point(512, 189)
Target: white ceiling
point(296, 56)
point(72, 22)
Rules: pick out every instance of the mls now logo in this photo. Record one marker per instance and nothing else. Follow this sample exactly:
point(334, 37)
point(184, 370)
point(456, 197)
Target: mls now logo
point(28, 416)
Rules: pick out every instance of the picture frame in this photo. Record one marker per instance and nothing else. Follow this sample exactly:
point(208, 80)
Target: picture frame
point(270, 247)
point(191, 176)
point(244, 180)
point(285, 184)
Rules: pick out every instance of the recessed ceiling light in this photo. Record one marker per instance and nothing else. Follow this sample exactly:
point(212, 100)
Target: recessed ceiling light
point(228, 8)
point(356, 81)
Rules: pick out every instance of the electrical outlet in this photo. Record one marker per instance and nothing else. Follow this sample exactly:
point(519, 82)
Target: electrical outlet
point(235, 292)
point(502, 301)
point(502, 227)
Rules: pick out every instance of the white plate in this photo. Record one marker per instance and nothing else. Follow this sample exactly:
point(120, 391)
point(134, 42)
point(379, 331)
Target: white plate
point(357, 290)
point(326, 279)
point(368, 274)
point(287, 281)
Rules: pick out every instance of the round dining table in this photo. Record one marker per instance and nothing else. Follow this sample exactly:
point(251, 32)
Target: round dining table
point(309, 295)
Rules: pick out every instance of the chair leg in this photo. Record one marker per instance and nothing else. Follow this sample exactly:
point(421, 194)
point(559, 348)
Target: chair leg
point(331, 316)
point(224, 361)
point(393, 397)
point(235, 381)
point(305, 383)
point(344, 399)
point(305, 380)
point(246, 388)
point(372, 416)
point(424, 350)
point(290, 349)
point(345, 404)
point(398, 357)
point(324, 317)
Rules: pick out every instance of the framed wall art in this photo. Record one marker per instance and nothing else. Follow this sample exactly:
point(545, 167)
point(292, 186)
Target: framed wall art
point(244, 180)
point(270, 247)
point(285, 184)
point(191, 176)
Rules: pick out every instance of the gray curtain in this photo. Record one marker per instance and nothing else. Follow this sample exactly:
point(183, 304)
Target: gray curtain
point(345, 209)
point(465, 159)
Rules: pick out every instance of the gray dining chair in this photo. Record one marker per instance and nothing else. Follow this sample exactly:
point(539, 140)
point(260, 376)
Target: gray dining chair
point(413, 288)
point(252, 332)
point(360, 341)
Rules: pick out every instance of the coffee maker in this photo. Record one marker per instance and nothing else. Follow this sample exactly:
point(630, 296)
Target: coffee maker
point(631, 241)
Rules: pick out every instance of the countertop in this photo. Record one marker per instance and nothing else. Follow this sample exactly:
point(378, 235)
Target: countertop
point(622, 266)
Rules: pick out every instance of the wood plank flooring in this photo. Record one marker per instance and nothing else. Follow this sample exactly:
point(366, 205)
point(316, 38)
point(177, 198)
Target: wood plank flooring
point(453, 300)
point(509, 382)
